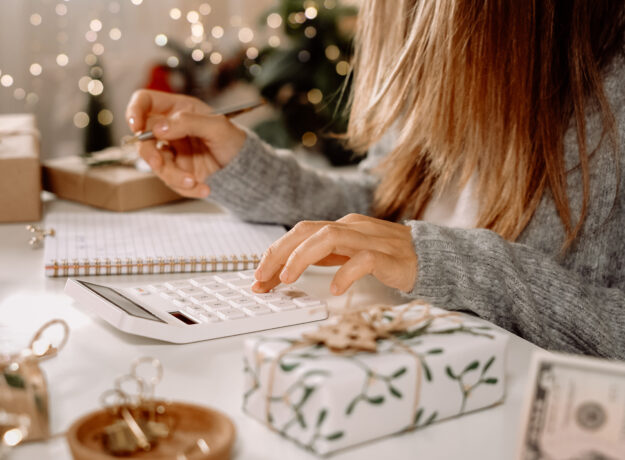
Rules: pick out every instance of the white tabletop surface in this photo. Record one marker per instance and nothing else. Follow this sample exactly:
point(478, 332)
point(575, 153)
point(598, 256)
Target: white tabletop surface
point(211, 373)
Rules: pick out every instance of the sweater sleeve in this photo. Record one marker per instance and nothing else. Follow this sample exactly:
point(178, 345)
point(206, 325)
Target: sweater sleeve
point(519, 288)
point(262, 185)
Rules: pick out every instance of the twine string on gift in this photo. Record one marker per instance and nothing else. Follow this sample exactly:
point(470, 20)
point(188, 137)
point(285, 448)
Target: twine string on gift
point(358, 329)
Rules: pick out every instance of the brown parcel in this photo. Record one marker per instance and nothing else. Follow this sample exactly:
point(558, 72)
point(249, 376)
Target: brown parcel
point(20, 170)
point(116, 188)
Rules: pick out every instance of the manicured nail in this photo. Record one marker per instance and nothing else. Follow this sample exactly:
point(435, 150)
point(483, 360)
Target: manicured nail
point(206, 191)
point(284, 276)
point(334, 289)
point(188, 182)
point(161, 126)
point(132, 121)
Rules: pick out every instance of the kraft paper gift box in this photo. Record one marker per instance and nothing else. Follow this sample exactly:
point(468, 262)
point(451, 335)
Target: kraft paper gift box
point(20, 169)
point(324, 401)
point(112, 187)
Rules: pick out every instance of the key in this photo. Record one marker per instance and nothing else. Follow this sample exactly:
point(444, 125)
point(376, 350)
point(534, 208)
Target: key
point(189, 291)
point(242, 302)
point(257, 310)
point(230, 313)
point(216, 305)
point(202, 298)
point(203, 281)
point(306, 302)
point(240, 283)
point(229, 294)
point(209, 317)
point(268, 297)
point(156, 288)
point(282, 305)
point(214, 287)
point(225, 277)
point(247, 274)
point(169, 295)
point(178, 284)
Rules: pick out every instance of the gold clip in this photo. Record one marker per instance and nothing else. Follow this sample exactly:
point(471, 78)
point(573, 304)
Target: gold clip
point(36, 241)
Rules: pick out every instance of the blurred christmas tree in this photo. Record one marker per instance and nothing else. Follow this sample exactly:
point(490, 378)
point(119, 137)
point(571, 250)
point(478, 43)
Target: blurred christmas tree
point(305, 78)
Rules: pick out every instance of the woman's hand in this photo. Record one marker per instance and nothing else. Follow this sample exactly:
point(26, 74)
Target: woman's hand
point(200, 143)
point(362, 245)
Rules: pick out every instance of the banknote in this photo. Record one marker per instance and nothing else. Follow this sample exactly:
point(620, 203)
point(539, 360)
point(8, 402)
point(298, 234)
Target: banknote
point(574, 409)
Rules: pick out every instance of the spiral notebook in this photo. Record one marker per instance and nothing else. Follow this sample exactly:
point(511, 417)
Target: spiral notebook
point(143, 243)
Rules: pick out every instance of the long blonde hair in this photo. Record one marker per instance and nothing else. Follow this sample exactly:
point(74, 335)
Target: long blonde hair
point(486, 87)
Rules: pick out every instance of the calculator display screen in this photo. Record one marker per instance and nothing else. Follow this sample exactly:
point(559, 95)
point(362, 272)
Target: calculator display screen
point(120, 301)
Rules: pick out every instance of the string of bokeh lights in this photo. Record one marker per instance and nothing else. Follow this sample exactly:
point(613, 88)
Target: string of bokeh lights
point(202, 41)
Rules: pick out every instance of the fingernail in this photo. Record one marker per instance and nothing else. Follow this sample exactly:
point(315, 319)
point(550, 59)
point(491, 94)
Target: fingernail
point(334, 289)
point(256, 286)
point(132, 121)
point(284, 276)
point(206, 191)
point(188, 182)
point(257, 274)
point(161, 126)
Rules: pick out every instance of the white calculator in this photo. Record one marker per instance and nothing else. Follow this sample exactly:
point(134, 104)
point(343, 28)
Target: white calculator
point(199, 308)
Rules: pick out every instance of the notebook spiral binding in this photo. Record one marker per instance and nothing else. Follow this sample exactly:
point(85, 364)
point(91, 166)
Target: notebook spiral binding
point(149, 265)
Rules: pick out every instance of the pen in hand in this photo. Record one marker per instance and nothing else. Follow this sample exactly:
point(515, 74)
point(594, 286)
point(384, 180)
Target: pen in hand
point(229, 112)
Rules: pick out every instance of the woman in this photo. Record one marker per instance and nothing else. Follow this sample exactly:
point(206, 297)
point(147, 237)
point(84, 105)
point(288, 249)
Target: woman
point(500, 127)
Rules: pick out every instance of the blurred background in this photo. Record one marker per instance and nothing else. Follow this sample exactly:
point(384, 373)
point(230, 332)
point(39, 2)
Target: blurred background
point(75, 63)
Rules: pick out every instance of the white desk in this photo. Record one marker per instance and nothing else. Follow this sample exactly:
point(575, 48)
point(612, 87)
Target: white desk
point(211, 373)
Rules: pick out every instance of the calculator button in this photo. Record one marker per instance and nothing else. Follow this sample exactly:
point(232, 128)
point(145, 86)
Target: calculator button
point(230, 313)
point(170, 295)
point(183, 303)
point(190, 291)
point(228, 294)
point(225, 277)
point(282, 305)
point(216, 305)
point(306, 302)
point(291, 293)
point(257, 310)
point(156, 288)
point(247, 274)
point(240, 283)
point(201, 281)
point(242, 302)
point(202, 298)
point(214, 287)
point(178, 284)
point(209, 317)
point(268, 297)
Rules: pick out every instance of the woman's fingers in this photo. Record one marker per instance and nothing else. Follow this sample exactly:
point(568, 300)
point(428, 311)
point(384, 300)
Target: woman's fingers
point(277, 254)
point(330, 239)
point(145, 102)
point(264, 286)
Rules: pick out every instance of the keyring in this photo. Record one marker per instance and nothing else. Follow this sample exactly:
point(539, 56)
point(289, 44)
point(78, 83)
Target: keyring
point(38, 343)
point(149, 383)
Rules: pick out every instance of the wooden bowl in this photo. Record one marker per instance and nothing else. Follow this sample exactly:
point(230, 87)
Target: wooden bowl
point(191, 423)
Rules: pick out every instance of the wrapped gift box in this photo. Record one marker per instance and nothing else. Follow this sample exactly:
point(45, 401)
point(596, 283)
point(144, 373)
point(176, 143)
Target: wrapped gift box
point(326, 401)
point(112, 187)
point(20, 170)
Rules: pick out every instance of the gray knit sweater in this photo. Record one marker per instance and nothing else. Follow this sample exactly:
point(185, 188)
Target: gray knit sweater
point(574, 303)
